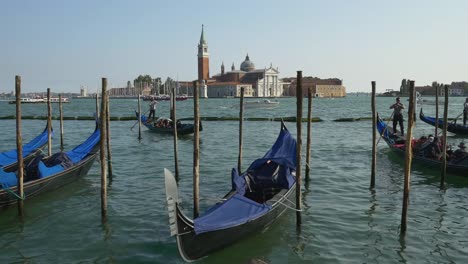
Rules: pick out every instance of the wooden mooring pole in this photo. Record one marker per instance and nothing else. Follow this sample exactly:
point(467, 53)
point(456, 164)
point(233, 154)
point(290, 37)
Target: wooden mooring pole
point(309, 136)
point(298, 148)
point(444, 140)
point(174, 123)
point(97, 105)
point(374, 138)
point(108, 140)
point(408, 159)
point(241, 122)
point(61, 121)
point(49, 123)
point(196, 152)
point(102, 152)
point(19, 147)
point(139, 117)
point(437, 111)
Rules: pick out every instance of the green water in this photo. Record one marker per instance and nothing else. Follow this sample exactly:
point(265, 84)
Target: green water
point(343, 222)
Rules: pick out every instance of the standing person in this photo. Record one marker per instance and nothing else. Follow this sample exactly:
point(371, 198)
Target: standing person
point(398, 115)
point(152, 108)
point(465, 112)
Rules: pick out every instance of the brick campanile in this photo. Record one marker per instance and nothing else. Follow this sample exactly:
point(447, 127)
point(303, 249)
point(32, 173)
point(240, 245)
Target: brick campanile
point(203, 59)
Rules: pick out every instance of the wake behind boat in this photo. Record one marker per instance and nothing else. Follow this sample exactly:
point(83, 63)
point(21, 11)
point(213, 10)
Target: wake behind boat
point(47, 173)
point(451, 127)
point(9, 159)
point(258, 197)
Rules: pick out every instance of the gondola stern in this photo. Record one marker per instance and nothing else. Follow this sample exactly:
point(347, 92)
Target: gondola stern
point(172, 198)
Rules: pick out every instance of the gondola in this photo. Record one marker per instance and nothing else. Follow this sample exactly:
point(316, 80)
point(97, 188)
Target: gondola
point(397, 144)
point(164, 126)
point(47, 173)
point(258, 197)
point(9, 159)
point(451, 127)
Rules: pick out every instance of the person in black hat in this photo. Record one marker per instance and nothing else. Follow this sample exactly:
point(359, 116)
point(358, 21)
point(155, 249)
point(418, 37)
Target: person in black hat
point(398, 115)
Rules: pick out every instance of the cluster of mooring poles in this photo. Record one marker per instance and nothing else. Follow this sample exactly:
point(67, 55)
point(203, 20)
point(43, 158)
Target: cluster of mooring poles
point(196, 142)
point(104, 139)
point(408, 147)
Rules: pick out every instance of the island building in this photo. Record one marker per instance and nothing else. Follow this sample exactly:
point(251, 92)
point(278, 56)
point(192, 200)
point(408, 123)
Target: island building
point(332, 87)
point(256, 82)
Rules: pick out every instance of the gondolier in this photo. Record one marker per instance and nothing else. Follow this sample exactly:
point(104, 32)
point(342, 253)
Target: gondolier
point(398, 115)
point(152, 108)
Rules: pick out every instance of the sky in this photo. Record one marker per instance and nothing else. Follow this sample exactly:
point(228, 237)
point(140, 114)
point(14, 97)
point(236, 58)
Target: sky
point(64, 45)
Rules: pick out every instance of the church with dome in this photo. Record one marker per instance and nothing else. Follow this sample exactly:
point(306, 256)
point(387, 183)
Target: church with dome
point(256, 82)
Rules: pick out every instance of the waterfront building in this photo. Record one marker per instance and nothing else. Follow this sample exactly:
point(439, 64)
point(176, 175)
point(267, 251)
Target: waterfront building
point(256, 82)
point(332, 87)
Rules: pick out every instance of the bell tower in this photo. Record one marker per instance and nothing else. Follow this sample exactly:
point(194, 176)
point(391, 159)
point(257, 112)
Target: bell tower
point(203, 59)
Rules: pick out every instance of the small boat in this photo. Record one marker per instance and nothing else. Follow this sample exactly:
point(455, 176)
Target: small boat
point(9, 159)
point(47, 173)
point(266, 103)
point(258, 197)
point(451, 127)
point(396, 142)
point(165, 126)
point(40, 100)
point(164, 97)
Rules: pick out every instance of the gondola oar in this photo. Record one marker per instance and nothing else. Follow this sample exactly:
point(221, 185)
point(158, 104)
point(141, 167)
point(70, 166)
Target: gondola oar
point(138, 120)
point(381, 134)
point(456, 118)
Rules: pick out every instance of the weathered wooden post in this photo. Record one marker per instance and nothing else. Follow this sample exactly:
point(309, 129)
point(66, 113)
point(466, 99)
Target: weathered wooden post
point(19, 147)
point(241, 122)
point(309, 137)
point(409, 158)
point(61, 121)
point(299, 146)
point(97, 104)
point(139, 117)
point(196, 152)
point(174, 123)
point(102, 151)
point(374, 138)
point(437, 111)
point(49, 123)
point(444, 140)
point(109, 149)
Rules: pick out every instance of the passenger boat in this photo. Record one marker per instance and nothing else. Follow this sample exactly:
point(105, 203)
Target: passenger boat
point(266, 103)
point(9, 159)
point(258, 197)
point(165, 126)
point(164, 97)
point(43, 174)
point(451, 127)
point(40, 100)
point(397, 144)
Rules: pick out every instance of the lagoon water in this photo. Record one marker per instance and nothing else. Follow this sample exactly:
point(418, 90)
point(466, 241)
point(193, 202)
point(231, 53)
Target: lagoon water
point(343, 221)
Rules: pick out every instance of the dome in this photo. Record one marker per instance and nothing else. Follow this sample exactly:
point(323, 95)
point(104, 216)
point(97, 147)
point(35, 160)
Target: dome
point(247, 65)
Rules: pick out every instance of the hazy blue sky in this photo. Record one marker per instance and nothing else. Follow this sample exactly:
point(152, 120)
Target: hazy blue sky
point(64, 44)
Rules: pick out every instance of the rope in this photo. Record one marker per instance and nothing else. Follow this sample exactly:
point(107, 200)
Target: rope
point(8, 190)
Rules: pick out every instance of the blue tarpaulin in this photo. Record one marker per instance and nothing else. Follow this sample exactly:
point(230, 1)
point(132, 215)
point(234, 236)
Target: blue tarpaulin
point(273, 170)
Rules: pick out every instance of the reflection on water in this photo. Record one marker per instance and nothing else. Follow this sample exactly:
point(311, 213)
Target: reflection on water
point(342, 221)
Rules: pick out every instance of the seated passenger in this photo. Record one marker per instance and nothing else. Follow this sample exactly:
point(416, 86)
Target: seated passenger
point(460, 152)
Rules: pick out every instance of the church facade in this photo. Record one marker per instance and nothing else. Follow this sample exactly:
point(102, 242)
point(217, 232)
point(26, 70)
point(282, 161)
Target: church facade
point(256, 82)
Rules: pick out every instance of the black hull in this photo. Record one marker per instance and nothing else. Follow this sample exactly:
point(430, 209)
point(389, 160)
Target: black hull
point(193, 247)
point(460, 167)
point(37, 187)
point(451, 127)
